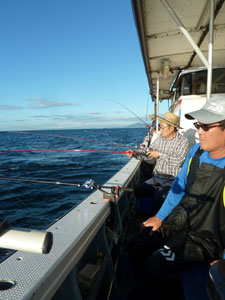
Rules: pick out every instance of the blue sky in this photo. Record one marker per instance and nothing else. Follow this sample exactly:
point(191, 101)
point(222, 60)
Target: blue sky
point(63, 61)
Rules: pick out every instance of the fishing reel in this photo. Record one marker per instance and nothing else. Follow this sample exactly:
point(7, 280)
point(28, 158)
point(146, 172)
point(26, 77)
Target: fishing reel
point(142, 153)
point(89, 184)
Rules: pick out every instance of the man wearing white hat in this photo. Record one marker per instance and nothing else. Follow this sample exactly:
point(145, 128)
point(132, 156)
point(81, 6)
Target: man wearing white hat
point(170, 150)
point(190, 226)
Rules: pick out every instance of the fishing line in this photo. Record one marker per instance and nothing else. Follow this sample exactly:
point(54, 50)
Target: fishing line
point(129, 111)
point(36, 215)
point(71, 150)
point(74, 138)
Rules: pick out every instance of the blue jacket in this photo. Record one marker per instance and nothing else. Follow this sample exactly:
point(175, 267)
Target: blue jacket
point(177, 191)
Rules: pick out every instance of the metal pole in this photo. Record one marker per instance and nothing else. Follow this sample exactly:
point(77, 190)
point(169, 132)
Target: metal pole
point(205, 11)
point(157, 104)
point(210, 50)
point(185, 32)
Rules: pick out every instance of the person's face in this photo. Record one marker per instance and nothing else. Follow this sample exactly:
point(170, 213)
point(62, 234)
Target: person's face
point(165, 129)
point(212, 140)
point(152, 131)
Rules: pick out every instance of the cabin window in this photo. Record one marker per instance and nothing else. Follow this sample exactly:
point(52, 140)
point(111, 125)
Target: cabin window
point(218, 82)
point(195, 83)
point(177, 90)
point(199, 82)
point(186, 84)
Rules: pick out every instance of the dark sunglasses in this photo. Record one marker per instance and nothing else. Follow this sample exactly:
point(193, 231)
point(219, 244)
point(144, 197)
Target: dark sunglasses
point(205, 127)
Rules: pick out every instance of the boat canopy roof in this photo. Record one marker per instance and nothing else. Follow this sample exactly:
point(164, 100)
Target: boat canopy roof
point(165, 49)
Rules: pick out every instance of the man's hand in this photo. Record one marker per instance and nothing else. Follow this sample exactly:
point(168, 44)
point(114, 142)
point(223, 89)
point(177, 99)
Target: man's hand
point(153, 153)
point(129, 153)
point(214, 262)
point(153, 222)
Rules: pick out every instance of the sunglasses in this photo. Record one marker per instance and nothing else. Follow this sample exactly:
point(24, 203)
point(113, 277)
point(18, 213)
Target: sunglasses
point(205, 127)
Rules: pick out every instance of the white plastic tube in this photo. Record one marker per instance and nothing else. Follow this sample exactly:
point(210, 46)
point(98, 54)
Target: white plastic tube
point(26, 240)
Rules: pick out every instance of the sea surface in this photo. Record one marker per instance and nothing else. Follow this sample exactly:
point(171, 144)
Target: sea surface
point(38, 205)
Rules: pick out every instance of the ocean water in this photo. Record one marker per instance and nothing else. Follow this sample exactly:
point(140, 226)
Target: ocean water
point(38, 205)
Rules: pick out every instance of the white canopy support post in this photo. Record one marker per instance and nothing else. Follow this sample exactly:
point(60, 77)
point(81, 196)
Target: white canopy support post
point(204, 13)
point(157, 104)
point(210, 50)
point(185, 32)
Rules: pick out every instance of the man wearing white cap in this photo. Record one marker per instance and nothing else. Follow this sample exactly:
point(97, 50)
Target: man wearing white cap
point(190, 226)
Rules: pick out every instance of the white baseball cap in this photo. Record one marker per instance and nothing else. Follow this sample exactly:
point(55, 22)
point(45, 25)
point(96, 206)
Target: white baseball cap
point(213, 111)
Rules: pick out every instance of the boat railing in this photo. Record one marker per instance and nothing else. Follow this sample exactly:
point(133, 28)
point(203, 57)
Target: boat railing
point(80, 258)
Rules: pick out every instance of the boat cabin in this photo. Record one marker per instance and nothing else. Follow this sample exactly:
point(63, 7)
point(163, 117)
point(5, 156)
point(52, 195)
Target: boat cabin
point(188, 93)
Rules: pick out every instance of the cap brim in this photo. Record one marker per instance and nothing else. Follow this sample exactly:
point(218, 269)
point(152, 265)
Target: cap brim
point(204, 116)
point(168, 122)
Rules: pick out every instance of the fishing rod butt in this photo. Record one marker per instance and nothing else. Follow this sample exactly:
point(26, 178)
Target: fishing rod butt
point(30, 240)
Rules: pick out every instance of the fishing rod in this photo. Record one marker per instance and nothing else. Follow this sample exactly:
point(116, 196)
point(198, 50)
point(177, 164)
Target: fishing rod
point(130, 112)
point(115, 191)
point(88, 184)
point(111, 196)
point(74, 138)
point(72, 150)
point(130, 153)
